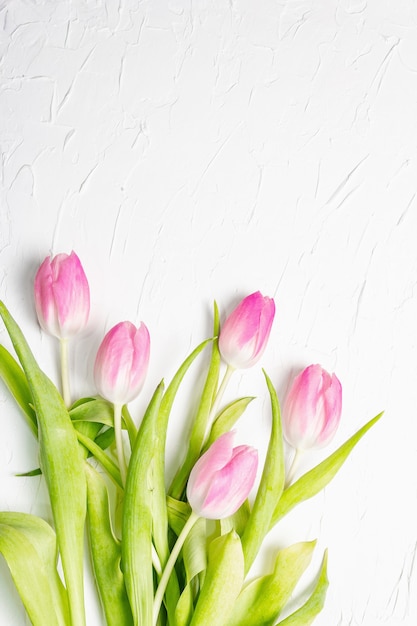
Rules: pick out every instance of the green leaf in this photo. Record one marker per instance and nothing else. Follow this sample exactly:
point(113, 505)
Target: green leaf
point(106, 553)
point(159, 439)
point(184, 608)
point(34, 472)
point(137, 517)
point(28, 544)
point(263, 599)
point(104, 460)
point(199, 427)
point(306, 615)
point(227, 418)
point(92, 410)
point(14, 378)
point(105, 439)
point(223, 582)
point(178, 514)
point(62, 466)
point(159, 497)
point(270, 487)
point(316, 479)
point(89, 415)
point(194, 551)
point(237, 521)
point(129, 424)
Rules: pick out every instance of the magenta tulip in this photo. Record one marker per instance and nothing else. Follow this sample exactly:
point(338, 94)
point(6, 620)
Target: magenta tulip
point(312, 409)
point(245, 333)
point(62, 295)
point(222, 478)
point(122, 362)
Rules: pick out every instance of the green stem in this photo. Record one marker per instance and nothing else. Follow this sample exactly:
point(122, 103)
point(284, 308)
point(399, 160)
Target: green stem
point(63, 349)
point(159, 595)
point(293, 468)
point(156, 561)
point(119, 441)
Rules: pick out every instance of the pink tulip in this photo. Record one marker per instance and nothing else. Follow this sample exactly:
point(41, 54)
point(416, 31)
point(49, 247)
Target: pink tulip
point(62, 295)
point(122, 362)
point(312, 409)
point(245, 333)
point(222, 478)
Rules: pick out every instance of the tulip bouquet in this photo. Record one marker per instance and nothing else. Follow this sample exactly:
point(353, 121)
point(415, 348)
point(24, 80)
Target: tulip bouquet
point(178, 550)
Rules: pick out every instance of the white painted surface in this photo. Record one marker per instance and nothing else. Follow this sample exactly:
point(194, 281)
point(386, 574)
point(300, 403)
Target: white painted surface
point(197, 150)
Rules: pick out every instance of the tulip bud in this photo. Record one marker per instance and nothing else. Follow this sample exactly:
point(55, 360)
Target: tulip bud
point(122, 362)
point(222, 478)
point(312, 409)
point(245, 333)
point(62, 295)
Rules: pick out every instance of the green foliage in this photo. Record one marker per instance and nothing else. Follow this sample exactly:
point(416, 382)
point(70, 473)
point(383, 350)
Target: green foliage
point(208, 584)
point(317, 478)
point(61, 465)
point(222, 583)
point(29, 546)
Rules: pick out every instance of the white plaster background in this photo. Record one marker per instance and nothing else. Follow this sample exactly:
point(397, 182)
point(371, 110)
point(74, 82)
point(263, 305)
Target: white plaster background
point(192, 150)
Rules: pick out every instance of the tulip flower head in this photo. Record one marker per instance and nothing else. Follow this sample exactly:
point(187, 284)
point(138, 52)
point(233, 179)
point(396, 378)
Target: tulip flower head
point(312, 409)
point(62, 295)
point(245, 333)
point(222, 478)
point(122, 362)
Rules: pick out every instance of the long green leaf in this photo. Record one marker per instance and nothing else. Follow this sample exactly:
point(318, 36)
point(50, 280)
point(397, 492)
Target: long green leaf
point(263, 599)
point(227, 418)
point(306, 614)
point(185, 607)
point(199, 427)
point(270, 487)
point(14, 378)
point(178, 514)
point(159, 497)
point(316, 479)
point(137, 518)
point(104, 460)
point(194, 552)
point(88, 416)
point(28, 544)
point(106, 553)
point(223, 582)
point(161, 517)
point(92, 410)
point(62, 465)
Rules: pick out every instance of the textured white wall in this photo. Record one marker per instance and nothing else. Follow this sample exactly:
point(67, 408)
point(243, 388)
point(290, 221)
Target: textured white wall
point(192, 150)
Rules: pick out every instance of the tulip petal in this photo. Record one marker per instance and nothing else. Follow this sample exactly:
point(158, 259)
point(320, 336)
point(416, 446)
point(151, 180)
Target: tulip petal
point(231, 485)
point(312, 409)
point(122, 362)
point(62, 295)
point(222, 478)
point(245, 333)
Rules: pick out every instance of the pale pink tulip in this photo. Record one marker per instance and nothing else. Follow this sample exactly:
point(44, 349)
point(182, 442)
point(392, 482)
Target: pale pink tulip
point(245, 333)
point(122, 362)
point(312, 409)
point(222, 478)
point(62, 295)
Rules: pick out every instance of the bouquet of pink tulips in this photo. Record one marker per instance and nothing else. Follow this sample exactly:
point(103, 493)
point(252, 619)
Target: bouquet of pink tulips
point(156, 558)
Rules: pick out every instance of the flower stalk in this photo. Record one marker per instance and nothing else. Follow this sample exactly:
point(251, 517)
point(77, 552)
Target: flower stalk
point(163, 582)
point(65, 382)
